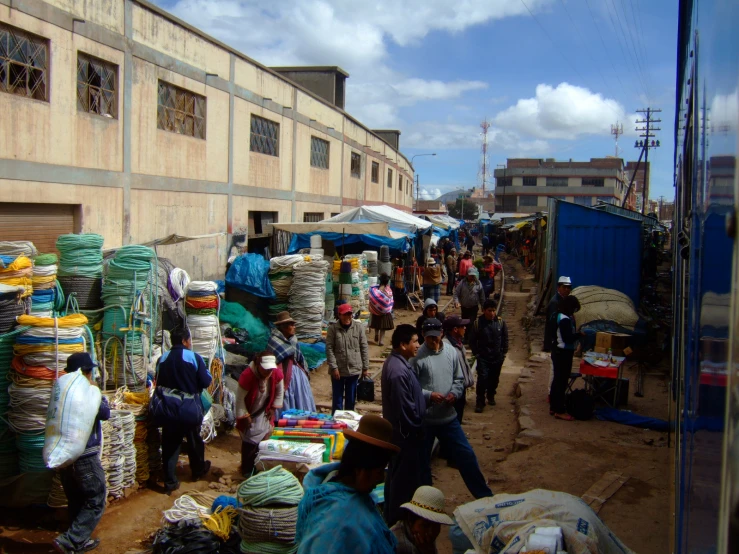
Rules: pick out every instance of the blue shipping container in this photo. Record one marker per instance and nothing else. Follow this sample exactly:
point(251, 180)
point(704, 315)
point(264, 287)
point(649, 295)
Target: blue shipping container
point(594, 247)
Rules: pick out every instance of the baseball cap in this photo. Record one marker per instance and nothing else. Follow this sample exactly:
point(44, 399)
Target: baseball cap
point(473, 271)
point(268, 362)
point(455, 321)
point(564, 281)
point(79, 360)
point(345, 309)
point(432, 328)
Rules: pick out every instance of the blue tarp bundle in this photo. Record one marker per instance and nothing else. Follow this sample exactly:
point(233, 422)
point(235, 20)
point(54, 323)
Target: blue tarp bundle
point(249, 272)
point(373, 242)
point(630, 418)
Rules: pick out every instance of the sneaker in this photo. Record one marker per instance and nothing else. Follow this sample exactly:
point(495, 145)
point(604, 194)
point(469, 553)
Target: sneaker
point(491, 401)
point(479, 408)
point(203, 472)
point(91, 544)
point(61, 548)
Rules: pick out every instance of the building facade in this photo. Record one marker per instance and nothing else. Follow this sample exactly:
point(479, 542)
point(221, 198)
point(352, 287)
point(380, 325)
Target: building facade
point(122, 120)
point(525, 184)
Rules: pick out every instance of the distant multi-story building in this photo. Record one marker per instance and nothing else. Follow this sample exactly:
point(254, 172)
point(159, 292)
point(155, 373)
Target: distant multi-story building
point(525, 184)
point(637, 189)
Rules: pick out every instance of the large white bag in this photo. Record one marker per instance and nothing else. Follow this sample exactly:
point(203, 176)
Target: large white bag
point(72, 410)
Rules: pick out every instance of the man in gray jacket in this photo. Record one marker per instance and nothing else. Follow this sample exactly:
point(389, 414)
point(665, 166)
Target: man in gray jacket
point(348, 358)
point(440, 375)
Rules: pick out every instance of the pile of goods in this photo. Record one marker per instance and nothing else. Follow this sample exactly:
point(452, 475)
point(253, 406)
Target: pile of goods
point(281, 279)
point(45, 293)
point(201, 307)
point(16, 288)
point(307, 427)
point(80, 269)
point(307, 298)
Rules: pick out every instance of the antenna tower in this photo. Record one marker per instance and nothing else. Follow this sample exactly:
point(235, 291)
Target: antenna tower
point(617, 130)
point(484, 163)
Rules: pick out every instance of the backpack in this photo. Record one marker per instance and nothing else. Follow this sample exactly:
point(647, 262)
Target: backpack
point(580, 404)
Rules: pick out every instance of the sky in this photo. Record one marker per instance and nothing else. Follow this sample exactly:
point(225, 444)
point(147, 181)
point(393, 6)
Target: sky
point(549, 76)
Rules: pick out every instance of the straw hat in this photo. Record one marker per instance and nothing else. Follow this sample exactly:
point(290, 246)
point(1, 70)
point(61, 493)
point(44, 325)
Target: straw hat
point(428, 503)
point(282, 318)
point(430, 261)
point(374, 430)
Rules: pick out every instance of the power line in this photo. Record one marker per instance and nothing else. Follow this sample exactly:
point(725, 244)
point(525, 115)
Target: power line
point(633, 45)
point(640, 34)
point(627, 58)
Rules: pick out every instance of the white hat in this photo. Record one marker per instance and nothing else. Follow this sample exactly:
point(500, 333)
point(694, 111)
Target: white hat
point(564, 281)
point(431, 261)
point(428, 503)
point(268, 362)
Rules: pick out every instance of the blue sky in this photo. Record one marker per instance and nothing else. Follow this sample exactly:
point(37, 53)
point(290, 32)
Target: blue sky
point(550, 76)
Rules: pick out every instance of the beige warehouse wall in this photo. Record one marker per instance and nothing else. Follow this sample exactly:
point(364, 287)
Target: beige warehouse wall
point(109, 13)
point(354, 186)
point(311, 179)
point(263, 83)
point(102, 207)
point(158, 152)
point(320, 112)
point(156, 214)
point(55, 132)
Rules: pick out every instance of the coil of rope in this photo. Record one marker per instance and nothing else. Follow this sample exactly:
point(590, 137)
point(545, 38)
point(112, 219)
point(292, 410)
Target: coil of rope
point(274, 487)
point(185, 510)
point(81, 255)
point(307, 297)
point(30, 447)
point(18, 248)
point(178, 280)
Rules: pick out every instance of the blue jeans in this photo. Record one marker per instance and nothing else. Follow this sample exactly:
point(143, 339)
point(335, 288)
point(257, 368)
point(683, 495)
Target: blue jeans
point(344, 389)
point(453, 440)
point(84, 485)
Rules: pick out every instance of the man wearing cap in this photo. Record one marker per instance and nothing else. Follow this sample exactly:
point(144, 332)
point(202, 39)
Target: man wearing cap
point(284, 345)
point(404, 406)
point(489, 343)
point(183, 370)
point(337, 513)
point(261, 392)
point(564, 288)
point(84, 480)
point(347, 353)
point(439, 373)
point(454, 331)
point(422, 519)
point(432, 280)
point(469, 294)
point(430, 310)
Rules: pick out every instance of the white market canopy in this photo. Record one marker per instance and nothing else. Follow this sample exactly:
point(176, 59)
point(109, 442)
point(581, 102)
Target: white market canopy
point(347, 228)
point(443, 221)
point(395, 219)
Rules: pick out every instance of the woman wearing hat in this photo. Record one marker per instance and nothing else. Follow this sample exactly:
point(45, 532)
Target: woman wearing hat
point(416, 533)
point(337, 513)
point(381, 308)
point(261, 392)
point(432, 280)
point(283, 344)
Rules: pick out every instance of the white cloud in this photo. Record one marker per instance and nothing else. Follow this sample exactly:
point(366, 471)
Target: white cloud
point(430, 194)
point(436, 135)
point(564, 112)
point(724, 112)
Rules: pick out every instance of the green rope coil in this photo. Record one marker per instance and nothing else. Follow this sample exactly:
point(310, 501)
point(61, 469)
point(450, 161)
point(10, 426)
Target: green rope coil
point(81, 255)
point(30, 452)
point(274, 487)
point(45, 259)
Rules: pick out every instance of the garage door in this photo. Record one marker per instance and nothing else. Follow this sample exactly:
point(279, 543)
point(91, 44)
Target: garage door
point(39, 223)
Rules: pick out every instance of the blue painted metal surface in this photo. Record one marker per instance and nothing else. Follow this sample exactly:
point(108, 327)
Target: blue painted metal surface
point(594, 247)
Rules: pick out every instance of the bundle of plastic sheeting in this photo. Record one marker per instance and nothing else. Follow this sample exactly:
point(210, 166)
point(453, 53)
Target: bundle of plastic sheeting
point(598, 303)
point(307, 297)
point(291, 451)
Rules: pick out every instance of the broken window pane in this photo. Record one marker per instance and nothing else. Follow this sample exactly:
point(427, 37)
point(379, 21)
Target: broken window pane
point(264, 136)
point(180, 111)
point(23, 63)
point(96, 86)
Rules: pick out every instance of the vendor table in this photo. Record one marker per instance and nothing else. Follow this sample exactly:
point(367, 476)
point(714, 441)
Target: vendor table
point(592, 369)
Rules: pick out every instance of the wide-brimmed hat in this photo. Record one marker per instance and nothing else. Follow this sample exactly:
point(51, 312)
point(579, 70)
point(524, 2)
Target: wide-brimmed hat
point(79, 360)
point(284, 317)
point(564, 281)
point(268, 362)
point(428, 503)
point(374, 430)
point(431, 261)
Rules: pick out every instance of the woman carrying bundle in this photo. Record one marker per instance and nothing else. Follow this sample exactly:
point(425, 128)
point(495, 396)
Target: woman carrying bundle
point(284, 345)
point(381, 308)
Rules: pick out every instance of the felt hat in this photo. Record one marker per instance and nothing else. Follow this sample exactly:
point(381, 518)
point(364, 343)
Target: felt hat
point(564, 281)
point(79, 360)
point(455, 321)
point(431, 327)
point(428, 503)
point(268, 362)
point(282, 318)
point(374, 430)
point(344, 309)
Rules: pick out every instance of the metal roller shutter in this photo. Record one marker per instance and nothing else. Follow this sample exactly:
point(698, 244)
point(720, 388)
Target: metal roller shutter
point(39, 223)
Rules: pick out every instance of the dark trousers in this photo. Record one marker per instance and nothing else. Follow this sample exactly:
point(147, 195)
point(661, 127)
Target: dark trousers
point(453, 440)
point(344, 393)
point(471, 314)
point(450, 284)
point(172, 436)
point(84, 485)
point(459, 406)
point(408, 470)
point(488, 377)
point(562, 362)
point(249, 453)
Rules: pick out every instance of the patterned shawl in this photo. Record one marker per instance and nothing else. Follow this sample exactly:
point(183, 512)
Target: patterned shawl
point(284, 348)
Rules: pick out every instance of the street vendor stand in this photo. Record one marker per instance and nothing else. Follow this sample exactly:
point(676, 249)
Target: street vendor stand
point(603, 377)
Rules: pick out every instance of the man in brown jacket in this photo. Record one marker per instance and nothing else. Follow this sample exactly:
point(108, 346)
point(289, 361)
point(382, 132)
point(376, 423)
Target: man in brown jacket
point(348, 358)
point(432, 280)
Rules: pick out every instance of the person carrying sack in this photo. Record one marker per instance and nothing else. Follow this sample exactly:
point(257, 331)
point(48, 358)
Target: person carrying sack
point(177, 405)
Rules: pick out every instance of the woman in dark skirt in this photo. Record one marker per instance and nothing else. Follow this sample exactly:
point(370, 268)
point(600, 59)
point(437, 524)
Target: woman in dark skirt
point(381, 308)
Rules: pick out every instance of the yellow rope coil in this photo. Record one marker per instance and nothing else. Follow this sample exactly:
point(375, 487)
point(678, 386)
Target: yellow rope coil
point(21, 262)
point(219, 522)
point(23, 349)
point(73, 320)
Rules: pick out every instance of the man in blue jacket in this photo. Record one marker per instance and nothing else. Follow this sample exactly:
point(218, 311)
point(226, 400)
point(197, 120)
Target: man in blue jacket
point(489, 343)
point(183, 370)
point(84, 480)
point(439, 373)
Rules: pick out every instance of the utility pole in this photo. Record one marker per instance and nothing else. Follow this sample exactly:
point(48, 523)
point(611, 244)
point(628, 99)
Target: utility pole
point(661, 198)
point(484, 169)
point(645, 145)
point(418, 189)
point(505, 182)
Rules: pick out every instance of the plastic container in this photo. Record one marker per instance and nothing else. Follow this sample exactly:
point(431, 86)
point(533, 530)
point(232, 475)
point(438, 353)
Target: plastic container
point(371, 255)
point(316, 241)
point(316, 253)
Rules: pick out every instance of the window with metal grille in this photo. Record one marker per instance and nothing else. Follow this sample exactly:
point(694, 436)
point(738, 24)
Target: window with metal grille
point(24, 63)
point(180, 111)
point(389, 178)
point(96, 86)
point(529, 181)
point(593, 182)
point(356, 165)
point(375, 172)
point(584, 200)
point(319, 153)
point(265, 136)
point(400, 183)
point(312, 217)
point(528, 200)
point(557, 181)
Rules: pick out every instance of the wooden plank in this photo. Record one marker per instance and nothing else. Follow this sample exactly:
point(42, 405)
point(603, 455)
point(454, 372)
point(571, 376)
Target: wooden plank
point(604, 489)
point(543, 293)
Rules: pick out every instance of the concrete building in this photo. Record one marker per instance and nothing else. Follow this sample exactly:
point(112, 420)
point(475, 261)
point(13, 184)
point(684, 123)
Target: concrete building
point(640, 179)
point(525, 184)
point(122, 120)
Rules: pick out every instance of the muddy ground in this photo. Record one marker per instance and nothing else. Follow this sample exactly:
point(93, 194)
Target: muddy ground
point(567, 456)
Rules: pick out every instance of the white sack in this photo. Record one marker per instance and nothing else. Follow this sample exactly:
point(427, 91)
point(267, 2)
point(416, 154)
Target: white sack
point(73, 407)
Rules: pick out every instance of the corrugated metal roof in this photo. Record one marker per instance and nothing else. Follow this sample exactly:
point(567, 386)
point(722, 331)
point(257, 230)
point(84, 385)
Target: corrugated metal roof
point(647, 220)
